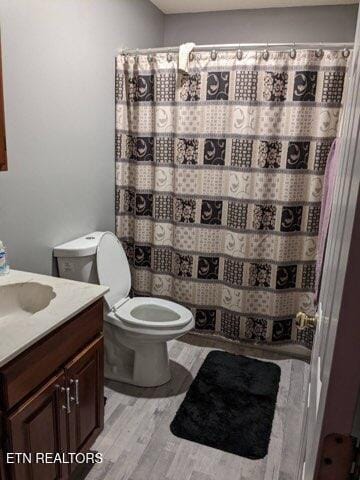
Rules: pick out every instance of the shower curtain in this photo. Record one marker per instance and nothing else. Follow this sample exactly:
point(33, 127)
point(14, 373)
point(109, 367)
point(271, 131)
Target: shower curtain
point(219, 178)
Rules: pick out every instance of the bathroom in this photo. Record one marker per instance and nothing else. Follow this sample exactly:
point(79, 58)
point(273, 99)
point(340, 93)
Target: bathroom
point(215, 336)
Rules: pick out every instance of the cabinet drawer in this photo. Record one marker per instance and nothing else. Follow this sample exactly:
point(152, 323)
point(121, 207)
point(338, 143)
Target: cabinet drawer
point(26, 372)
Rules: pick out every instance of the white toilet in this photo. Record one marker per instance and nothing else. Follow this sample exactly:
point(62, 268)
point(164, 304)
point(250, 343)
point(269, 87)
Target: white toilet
point(136, 329)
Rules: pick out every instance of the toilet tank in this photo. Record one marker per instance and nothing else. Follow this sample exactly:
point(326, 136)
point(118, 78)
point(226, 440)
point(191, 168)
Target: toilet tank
point(77, 259)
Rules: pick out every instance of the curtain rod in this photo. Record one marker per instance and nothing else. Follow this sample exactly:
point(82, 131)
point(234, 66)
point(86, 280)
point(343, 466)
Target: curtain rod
point(242, 46)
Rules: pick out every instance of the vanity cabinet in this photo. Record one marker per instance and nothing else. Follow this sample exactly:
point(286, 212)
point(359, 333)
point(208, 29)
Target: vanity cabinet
point(58, 412)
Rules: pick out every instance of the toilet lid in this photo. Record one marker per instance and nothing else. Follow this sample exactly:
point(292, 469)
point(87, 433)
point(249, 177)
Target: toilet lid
point(113, 268)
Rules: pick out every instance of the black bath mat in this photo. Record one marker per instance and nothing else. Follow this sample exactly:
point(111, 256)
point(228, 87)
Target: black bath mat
point(230, 405)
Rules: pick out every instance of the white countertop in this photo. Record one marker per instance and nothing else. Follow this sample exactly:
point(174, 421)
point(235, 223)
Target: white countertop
point(71, 298)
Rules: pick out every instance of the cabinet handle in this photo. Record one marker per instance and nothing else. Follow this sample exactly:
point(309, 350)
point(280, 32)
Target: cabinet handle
point(77, 396)
point(77, 400)
point(67, 407)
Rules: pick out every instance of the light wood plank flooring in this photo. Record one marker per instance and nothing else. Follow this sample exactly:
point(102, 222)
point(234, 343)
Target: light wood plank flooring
point(138, 445)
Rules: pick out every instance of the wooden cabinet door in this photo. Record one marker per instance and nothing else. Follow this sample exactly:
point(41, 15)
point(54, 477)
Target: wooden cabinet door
point(39, 425)
point(2, 468)
point(85, 377)
point(2, 441)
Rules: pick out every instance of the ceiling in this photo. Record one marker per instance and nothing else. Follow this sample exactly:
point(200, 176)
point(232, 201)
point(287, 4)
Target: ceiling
point(184, 6)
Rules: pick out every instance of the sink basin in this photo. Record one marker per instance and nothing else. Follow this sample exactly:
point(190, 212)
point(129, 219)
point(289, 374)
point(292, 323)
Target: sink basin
point(24, 299)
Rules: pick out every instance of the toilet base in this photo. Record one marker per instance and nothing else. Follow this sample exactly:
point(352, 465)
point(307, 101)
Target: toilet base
point(151, 365)
point(143, 364)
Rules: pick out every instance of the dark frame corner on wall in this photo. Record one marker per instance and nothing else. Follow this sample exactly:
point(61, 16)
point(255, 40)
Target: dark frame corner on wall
point(3, 153)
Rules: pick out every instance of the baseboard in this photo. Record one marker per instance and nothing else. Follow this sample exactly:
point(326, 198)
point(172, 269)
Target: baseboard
point(284, 350)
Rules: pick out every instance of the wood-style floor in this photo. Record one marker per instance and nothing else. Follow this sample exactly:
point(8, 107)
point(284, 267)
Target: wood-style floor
point(137, 443)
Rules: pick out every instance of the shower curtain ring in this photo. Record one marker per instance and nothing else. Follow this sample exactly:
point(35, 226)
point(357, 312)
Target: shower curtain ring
point(319, 53)
point(265, 54)
point(239, 54)
point(169, 57)
point(293, 51)
point(213, 55)
point(150, 58)
point(346, 52)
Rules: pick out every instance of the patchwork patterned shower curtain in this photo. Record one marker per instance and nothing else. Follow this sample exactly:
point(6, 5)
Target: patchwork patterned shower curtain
point(219, 179)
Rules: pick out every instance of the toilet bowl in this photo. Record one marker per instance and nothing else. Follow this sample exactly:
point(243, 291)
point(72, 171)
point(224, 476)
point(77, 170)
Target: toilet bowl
point(136, 330)
point(136, 336)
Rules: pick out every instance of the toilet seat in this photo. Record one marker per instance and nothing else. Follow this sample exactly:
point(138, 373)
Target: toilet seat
point(134, 314)
point(149, 312)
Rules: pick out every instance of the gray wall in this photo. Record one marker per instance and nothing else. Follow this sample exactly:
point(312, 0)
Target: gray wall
point(58, 66)
point(303, 24)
